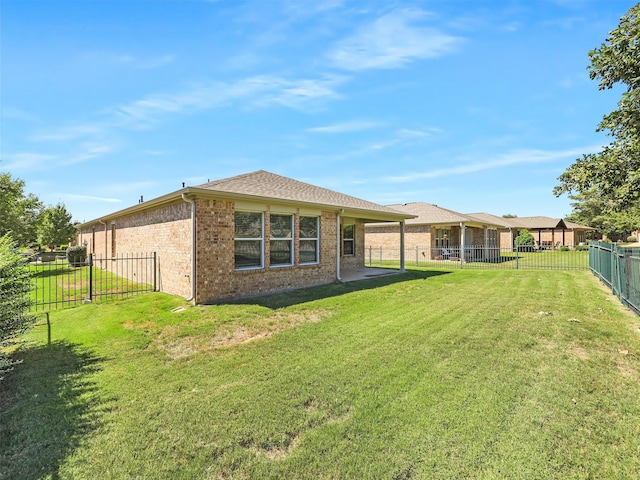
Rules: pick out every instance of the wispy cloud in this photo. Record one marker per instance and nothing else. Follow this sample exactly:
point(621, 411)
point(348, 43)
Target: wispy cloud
point(126, 60)
point(26, 161)
point(512, 158)
point(87, 153)
point(254, 92)
point(72, 196)
point(15, 114)
point(392, 41)
point(346, 127)
point(259, 91)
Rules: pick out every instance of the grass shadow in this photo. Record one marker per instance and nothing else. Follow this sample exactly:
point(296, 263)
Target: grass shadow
point(48, 403)
point(304, 295)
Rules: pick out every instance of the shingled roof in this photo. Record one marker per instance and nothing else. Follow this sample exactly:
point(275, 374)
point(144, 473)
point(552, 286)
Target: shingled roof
point(262, 186)
point(430, 214)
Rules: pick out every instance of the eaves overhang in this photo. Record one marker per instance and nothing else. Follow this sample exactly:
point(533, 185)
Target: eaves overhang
point(387, 215)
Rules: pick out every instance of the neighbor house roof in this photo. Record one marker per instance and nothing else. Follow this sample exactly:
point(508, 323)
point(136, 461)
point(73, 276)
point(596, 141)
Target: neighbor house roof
point(577, 226)
point(536, 223)
point(430, 214)
point(262, 186)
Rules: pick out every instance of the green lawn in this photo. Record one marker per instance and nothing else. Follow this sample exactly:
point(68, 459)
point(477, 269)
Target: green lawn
point(435, 374)
point(58, 284)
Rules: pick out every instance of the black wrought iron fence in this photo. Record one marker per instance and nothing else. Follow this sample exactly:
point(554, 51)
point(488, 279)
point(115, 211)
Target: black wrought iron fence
point(619, 268)
point(59, 283)
point(483, 257)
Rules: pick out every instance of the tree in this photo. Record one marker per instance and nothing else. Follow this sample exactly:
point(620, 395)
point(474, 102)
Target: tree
point(614, 173)
point(590, 209)
point(56, 227)
point(19, 213)
point(525, 238)
point(15, 285)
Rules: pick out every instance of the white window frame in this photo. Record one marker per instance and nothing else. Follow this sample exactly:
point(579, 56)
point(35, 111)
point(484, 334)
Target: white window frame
point(254, 239)
point(290, 240)
point(316, 239)
point(352, 240)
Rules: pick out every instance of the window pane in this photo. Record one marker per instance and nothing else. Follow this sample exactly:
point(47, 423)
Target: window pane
point(248, 254)
point(248, 225)
point(347, 247)
point(281, 226)
point(308, 251)
point(280, 252)
point(308, 227)
point(348, 231)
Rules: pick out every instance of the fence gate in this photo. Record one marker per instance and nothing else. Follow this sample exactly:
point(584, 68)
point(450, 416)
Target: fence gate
point(59, 283)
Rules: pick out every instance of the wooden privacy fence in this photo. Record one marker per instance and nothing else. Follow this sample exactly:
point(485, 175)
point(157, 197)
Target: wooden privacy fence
point(619, 268)
point(59, 284)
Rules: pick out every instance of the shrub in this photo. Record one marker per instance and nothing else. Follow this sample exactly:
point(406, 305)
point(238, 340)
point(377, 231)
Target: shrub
point(77, 255)
point(582, 248)
point(631, 239)
point(15, 288)
point(564, 248)
point(525, 239)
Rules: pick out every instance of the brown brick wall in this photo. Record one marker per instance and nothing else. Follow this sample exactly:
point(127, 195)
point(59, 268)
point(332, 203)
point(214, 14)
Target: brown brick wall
point(165, 230)
point(217, 277)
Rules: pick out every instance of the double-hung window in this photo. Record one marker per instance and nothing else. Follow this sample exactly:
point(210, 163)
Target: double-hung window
point(309, 240)
point(442, 237)
point(348, 239)
point(281, 241)
point(249, 240)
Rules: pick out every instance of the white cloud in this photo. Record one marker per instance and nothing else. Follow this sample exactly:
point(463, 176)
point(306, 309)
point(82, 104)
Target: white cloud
point(346, 127)
point(87, 153)
point(71, 196)
point(392, 42)
point(512, 158)
point(126, 60)
point(26, 161)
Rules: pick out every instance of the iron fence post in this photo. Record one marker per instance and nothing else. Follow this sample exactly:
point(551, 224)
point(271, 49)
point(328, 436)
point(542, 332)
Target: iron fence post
point(91, 277)
point(154, 271)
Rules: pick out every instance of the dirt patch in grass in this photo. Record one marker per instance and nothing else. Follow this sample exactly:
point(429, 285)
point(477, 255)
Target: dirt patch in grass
point(579, 352)
point(224, 335)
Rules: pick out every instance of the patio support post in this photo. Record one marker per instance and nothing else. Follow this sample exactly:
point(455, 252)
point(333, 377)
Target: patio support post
point(462, 239)
point(402, 270)
point(338, 249)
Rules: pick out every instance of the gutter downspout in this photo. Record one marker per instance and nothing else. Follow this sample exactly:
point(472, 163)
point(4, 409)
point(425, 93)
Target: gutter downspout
point(105, 238)
point(193, 246)
point(338, 277)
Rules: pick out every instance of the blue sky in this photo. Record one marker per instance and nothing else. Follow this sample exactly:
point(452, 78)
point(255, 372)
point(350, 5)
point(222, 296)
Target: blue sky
point(471, 105)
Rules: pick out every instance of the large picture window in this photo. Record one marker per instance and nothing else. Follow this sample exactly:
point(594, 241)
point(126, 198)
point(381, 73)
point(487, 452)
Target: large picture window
point(309, 240)
point(348, 239)
point(249, 240)
point(281, 242)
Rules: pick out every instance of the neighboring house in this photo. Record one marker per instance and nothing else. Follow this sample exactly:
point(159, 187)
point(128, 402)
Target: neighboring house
point(547, 232)
point(242, 236)
point(437, 233)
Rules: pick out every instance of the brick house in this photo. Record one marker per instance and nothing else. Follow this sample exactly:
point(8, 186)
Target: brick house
point(242, 236)
point(437, 232)
point(548, 232)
